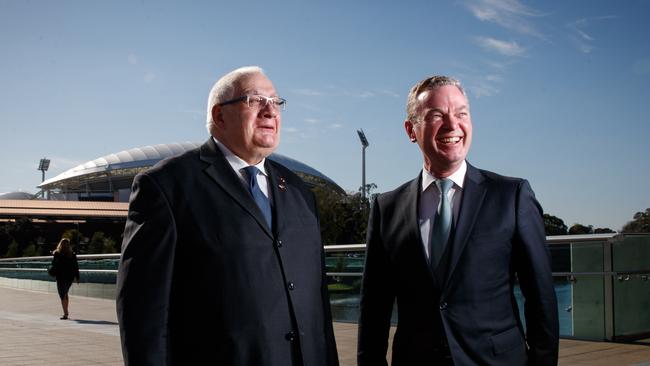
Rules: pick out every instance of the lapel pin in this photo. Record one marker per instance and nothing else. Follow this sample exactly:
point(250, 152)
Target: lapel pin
point(282, 184)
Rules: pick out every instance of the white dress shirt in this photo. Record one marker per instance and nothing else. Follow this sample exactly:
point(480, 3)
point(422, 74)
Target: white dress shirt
point(430, 201)
point(238, 164)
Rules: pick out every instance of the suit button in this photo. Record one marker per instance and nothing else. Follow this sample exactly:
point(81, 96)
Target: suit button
point(291, 336)
point(291, 286)
point(278, 243)
point(443, 305)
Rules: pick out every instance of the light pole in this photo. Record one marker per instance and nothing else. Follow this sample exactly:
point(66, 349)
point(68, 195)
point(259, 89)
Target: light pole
point(364, 145)
point(43, 166)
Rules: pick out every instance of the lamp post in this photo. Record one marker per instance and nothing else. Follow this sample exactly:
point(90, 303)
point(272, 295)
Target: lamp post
point(364, 145)
point(43, 166)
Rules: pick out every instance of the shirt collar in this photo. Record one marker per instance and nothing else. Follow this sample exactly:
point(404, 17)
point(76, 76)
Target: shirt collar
point(235, 161)
point(458, 177)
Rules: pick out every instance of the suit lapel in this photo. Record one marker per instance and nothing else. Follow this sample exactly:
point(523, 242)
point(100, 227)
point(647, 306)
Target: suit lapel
point(220, 171)
point(473, 194)
point(411, 215)
point(277, 189)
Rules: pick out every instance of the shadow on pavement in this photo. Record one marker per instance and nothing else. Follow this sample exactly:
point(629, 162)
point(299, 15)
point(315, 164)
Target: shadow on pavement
point(99, 322)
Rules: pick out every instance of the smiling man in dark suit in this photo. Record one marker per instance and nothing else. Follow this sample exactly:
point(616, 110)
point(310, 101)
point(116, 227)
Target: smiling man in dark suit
point(222, 262)
point(450, 246)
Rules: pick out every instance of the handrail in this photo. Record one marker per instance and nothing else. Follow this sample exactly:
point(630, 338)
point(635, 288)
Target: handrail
point(48, 257)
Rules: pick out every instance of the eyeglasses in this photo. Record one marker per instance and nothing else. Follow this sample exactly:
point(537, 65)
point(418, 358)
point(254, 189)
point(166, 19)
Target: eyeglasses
point(256, 101)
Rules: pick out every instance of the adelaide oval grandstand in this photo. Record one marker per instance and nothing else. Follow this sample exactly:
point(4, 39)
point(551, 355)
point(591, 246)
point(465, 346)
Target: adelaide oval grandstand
point(109, 177)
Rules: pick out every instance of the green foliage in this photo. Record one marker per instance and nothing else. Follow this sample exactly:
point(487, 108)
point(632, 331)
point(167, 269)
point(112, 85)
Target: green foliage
point(76, 237)
point(343, 218)
point(110, 246)
point(96, 243)
point(30, 251)
point(339, 287)
point(639, 224)
point(100, 244)
point(554, 225)
point(17, 235)
point(605, 230)
point(578, 229)
point(12, 250)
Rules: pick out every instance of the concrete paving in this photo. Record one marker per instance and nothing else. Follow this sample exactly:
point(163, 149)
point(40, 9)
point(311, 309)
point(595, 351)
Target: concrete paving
point(32, 334)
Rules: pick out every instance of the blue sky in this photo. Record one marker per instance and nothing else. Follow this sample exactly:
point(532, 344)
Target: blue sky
point(559, 90)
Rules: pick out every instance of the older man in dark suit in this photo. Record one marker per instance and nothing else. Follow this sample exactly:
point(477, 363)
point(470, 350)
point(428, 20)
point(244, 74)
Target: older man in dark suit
point(450, 246)
point(222, 262)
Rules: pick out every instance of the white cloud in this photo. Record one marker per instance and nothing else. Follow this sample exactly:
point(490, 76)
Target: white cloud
point(309, 92)
point(390, 93)
point(132, 59)
point(366, 94)
point(149, 77)
point(483, 90)
point(494, 78)
point(337, 92)
point(503, 47)
point(510, 14)
point(312, 121)
point(580, 35)
point(335, 126)
point(61, 164)
point(290, 129)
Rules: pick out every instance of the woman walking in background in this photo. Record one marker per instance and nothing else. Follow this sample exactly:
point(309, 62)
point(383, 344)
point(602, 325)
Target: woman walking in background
point(66, 269)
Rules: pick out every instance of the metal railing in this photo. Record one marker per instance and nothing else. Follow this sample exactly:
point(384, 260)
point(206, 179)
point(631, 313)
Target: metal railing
point(602, 281)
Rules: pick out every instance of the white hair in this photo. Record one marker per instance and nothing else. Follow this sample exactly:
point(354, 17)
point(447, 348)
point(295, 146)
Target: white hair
point(224, 89)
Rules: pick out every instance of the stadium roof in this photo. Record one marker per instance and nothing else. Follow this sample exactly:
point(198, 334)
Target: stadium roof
point(144, 157)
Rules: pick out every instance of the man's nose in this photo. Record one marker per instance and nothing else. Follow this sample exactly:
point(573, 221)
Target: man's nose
point(450, 121)
point(269, 111)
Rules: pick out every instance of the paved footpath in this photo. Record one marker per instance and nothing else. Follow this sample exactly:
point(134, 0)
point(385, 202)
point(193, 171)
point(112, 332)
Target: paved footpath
point(32, 334)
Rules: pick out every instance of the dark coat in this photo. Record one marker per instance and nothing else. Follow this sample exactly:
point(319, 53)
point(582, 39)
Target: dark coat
point(468, 303)
point(203, 280)
point(66, 267)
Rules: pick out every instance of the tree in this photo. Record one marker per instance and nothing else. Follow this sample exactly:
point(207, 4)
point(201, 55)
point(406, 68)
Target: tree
point(554, 225)
point(30, 251)
point(639, 224)
point(16, 235)
point(601, 230)
point(101, 244)
point(12, 250)
point(75, 236)
point(343, 218)
point(578, 229)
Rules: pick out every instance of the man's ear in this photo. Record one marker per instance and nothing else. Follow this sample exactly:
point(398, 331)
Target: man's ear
point(408, 127)
point(217, 115)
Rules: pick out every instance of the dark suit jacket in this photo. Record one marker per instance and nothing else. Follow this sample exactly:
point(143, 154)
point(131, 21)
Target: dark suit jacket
point(203, 280)
point(468, 303)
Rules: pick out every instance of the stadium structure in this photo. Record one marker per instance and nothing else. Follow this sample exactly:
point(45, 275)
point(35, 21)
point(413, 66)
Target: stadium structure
point(109, 177)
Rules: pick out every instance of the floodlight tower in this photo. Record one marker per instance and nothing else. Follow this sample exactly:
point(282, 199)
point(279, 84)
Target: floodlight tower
point(43, 166)
point(364, 145)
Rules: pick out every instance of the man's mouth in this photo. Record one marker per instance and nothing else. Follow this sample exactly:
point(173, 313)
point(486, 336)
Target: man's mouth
point(449, 140)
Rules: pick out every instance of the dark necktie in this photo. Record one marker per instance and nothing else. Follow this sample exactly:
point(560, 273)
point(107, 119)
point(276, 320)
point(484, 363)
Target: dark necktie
point(259, 197)
point(441, 224)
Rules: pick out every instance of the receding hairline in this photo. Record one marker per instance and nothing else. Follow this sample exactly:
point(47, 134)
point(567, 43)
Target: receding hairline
point(430, 84)
point(225, 87)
